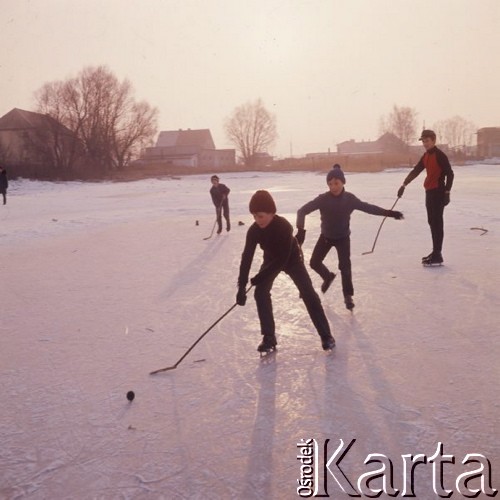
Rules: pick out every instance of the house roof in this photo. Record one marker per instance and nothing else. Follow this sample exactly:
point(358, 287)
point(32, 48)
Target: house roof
point(391, 139)
point(387, 141)
point(20, 119)
point(201, 138)
point(352, 146)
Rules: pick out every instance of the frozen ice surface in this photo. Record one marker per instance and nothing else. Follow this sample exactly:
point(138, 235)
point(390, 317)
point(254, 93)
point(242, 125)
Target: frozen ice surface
point(102, 283)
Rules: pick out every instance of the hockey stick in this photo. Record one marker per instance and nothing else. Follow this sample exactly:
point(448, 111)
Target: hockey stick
point(484, 231)
point(173, 367)
point(213, 228)
point(216, 217)
point(378, 232)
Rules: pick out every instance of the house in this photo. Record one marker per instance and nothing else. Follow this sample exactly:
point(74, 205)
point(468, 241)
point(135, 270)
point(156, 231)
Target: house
point(36, 143)
point(488, 142)
point(261, 159)
point(386, 143)
point(188, 148)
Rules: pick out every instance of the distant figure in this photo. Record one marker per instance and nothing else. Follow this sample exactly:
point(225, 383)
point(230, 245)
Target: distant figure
point(4, 184)
point(274, 235)
point(437, 187)
point(335, 207)
point(220, 193)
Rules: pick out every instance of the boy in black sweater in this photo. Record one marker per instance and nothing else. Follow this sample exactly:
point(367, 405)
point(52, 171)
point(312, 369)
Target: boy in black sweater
point(4, 184)
point(336, 206)
point(219, 193)
point(274, 234)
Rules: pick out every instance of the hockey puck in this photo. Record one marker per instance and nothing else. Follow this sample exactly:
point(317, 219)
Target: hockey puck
point(130, 395)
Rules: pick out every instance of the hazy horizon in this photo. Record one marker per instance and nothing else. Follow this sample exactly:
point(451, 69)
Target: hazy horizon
point(328, 70)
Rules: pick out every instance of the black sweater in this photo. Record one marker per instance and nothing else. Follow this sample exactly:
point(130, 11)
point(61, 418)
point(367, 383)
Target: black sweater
point(281, 250)
point(219, 194)
point(4, 183)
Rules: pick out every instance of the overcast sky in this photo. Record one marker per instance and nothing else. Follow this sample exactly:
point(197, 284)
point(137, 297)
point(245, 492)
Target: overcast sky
point(328, 69)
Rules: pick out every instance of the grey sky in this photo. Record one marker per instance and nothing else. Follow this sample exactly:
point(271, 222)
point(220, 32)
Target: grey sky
point(328, 69)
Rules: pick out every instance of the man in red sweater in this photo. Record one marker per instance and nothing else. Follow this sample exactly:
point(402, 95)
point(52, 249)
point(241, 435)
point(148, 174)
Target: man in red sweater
point(437, 185)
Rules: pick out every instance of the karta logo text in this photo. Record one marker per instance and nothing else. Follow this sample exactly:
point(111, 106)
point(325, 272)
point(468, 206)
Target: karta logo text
point(319, 466)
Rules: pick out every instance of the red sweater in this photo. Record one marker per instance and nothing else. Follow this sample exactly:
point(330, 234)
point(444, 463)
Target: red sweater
point(438, 169)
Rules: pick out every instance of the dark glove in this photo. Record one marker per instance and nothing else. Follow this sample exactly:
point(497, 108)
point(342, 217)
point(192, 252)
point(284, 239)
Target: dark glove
point(446, 198)
point(395, 214)
point(300, 236)
point(401, 190)
point(241, 296)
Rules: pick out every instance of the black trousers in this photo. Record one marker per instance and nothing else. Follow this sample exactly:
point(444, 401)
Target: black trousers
point(4, 194)
point(223, 210)
point(434, 203)
point(343, 247)
point(300, 277)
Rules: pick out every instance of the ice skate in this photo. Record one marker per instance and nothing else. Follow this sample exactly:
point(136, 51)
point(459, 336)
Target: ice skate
point(267, 345)
point(427, 257)
point(327, 282)
point(349, 302)
point(433, 260)
point(328, 343)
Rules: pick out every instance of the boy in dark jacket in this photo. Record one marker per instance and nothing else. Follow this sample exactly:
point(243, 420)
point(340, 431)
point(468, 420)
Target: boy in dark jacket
point(219, 193)
point(335, 207)
point(4, 184)
point(437, 187)
point(274, 234)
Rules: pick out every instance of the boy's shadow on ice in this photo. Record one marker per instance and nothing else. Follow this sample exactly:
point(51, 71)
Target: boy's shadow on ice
point(368, 398)
point(259, 475)
point(190, 274)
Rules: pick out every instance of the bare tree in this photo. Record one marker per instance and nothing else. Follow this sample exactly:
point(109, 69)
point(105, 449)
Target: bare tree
point(59, 140)
point(103, 115)
point(252, 129)
point(135, 131)
point(457, 132)
point(402, 122)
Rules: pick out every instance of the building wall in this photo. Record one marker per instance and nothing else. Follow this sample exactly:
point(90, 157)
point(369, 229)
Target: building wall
point(488, 142)
point(191, 161)
point(167, 152)
point(190, 156)
point(10, 144)
point(217, 158)
point(17, 146)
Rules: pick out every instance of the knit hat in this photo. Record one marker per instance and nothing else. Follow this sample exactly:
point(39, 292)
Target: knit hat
point(335, 173)
point(427, 133)
point(262, 201)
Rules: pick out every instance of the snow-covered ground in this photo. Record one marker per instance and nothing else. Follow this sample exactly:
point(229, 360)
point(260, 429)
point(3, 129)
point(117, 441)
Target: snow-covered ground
point(102, 283)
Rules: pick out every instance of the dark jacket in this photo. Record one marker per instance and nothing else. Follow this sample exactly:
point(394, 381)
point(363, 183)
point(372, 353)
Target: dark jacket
point(281, 250)
point(438, 168)
point(4, 183)
point(336, 213)
point(218, 193)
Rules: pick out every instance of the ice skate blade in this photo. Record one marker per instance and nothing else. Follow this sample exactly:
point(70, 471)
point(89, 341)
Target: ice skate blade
point(267, 352)
point(434, 264)
point(268, 357)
